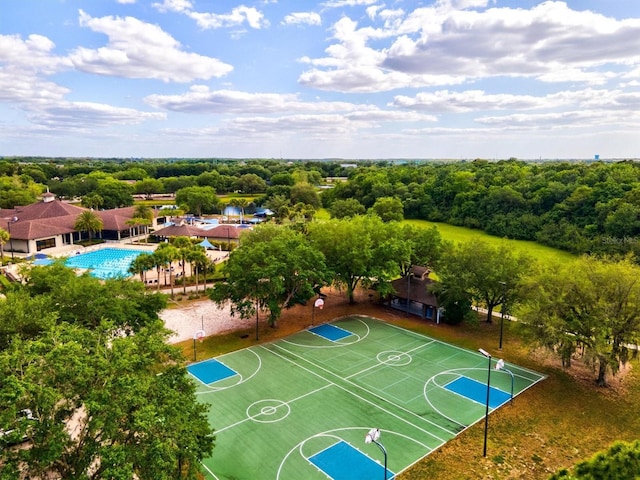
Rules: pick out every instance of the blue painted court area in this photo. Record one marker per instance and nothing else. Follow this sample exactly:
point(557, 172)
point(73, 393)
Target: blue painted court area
point(477, 391)
point(210, 371)
point(330, 332)
point(343, 462)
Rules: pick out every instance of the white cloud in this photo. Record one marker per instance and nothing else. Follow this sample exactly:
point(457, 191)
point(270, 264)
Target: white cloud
point(347, 3)
point(33, 54)
point(85, 115)
point(306, 18)
point(174, 6)
point(477, 100)
point(238, 16)
point(140, 50)
point(202, 100)
point(432, 45)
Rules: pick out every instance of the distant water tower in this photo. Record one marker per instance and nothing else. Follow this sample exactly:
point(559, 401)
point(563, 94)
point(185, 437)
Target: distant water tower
point(596, 156)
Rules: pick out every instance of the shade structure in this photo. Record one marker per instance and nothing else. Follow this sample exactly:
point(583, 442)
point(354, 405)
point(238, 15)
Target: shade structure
point(206, 243)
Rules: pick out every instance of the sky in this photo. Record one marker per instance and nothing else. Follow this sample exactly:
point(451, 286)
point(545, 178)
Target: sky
point(298, 79)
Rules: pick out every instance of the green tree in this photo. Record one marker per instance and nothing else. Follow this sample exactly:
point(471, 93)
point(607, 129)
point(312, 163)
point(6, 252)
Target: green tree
point(88, 222)
point(148, 187)
point(591, 308)
point(141, 265)
point(347, 208)
point(4, 238)
point(489, 275)
point(274, 268)
point(425, 247)
point(198, 259)
point(92, 200)
point(305, 193)
point(389, 209)
point(115, 193)
point(132, 406)
point(241, 204)
point(359, 251)
point(165, 254)
point(85, 300)
point(197, 199)
point(183, 246)
point(250, 183)
point(621, 460)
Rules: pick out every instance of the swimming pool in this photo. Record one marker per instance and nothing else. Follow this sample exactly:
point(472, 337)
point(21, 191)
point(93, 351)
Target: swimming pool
point(105, 263)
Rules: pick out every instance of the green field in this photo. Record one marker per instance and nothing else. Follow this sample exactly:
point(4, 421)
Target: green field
point(282, 409)
point(453, 233)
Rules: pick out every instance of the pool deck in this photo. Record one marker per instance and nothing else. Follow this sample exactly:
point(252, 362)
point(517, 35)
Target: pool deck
point(153, 279)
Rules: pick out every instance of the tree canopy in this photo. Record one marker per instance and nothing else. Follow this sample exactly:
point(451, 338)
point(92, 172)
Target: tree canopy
point(274, 268)
point(107, 396)
point(590, 308)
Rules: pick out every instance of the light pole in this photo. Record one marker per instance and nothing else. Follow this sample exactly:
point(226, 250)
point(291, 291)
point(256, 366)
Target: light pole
point(13, 220)
point(373, 435)
point(504, 302)
point(486, 412)
point(500, 366)
point(409, 274)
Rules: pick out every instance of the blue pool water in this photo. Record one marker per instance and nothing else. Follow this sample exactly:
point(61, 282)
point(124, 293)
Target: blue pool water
point(105, 263)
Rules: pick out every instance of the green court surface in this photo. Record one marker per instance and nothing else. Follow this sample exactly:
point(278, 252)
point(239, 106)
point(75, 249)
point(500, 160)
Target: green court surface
point(300, 408)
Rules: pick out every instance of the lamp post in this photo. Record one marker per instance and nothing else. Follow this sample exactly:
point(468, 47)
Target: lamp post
point(486, 413)
point(13, 220)
point(409, 274)
point(500, 366)
point(504, 302)
point(373, 436)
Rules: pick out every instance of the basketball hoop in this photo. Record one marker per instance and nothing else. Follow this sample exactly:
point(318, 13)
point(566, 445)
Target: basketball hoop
point(319, 303)
point(199, 335)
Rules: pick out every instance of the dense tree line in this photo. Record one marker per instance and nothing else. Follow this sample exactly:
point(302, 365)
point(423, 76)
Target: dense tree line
point(582, 207)
point(90, 388)
point(575, 206)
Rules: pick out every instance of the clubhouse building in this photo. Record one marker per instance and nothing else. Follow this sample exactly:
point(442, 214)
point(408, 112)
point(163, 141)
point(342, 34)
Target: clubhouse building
point(49, 224)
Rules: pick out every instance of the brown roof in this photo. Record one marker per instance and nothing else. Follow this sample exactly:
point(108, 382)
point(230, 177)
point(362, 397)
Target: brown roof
point(51, 209)
point(44, 219)
point(415, 288)
point(180, 231)
point(224, 231)
point(40, 220)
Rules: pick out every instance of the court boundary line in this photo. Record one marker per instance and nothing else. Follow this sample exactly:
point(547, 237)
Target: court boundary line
point(242, 379)
point(375, 395)
point(408, 352)
point(311, 392)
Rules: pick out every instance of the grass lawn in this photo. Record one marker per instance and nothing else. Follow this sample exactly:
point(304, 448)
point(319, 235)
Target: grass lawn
point(453, 233)
point(558, 422)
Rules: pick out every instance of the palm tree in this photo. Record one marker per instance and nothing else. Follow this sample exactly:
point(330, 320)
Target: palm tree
point(240, 203)
point(88, 222)
point(166, 254)
point(197, 257)
point(136, 222)
point(142, 216)
point(4, 238)
point(141, 264)
point(183, 244)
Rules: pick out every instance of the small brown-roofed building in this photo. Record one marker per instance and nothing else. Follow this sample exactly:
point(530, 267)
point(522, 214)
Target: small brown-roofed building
point(219, 233)
point(412, 295)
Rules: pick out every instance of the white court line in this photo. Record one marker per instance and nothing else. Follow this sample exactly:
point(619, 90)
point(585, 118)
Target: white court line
point(283, 402)
point(385, 364)
point(453, 434)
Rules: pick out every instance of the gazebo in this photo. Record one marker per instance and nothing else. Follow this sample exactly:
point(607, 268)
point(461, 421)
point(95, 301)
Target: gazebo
point(411, 294)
